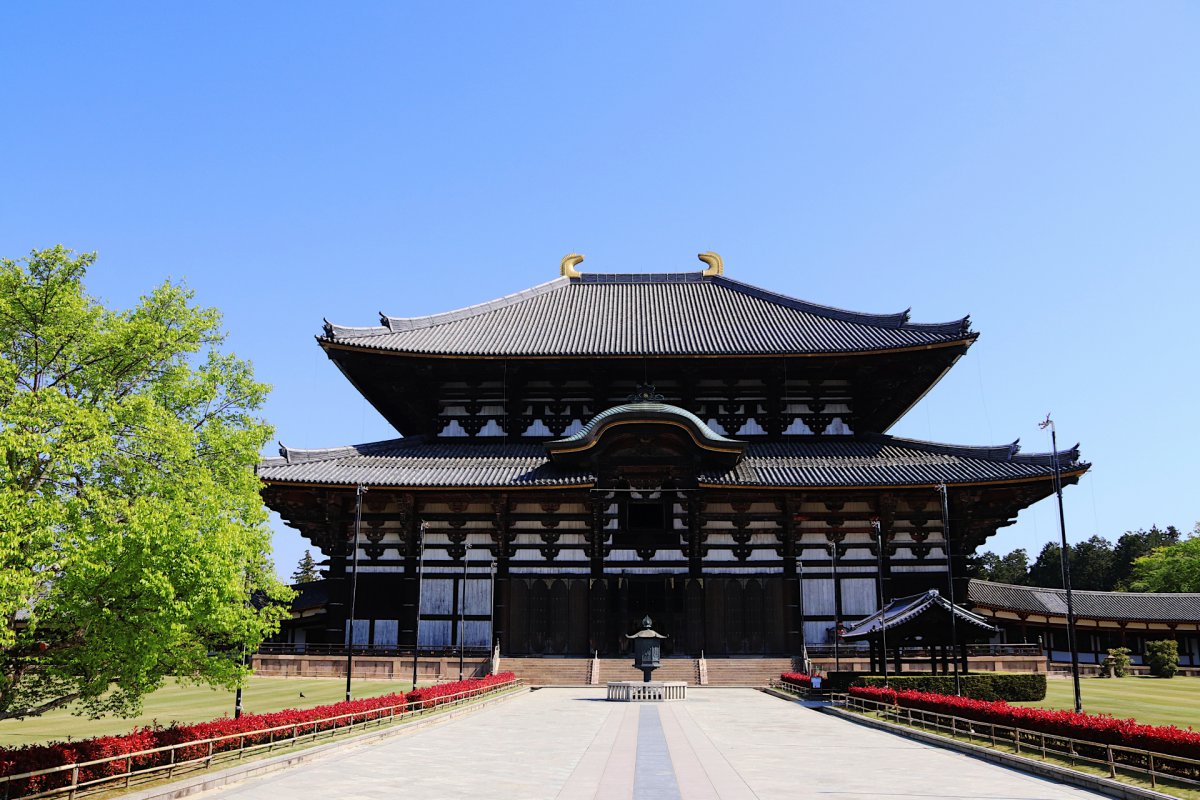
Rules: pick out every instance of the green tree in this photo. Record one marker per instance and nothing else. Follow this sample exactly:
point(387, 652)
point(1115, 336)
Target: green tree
point(1012, 568)
point(306, 570)
point(1174, 568)
point(1046, 569)
point(132, 534)
point(1133, 545)
point(1091, 565)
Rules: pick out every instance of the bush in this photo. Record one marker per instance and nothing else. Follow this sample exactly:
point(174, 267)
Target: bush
point(1013, 686)
point(30, 758)
point(796, 680)
point(1162, 657)
point(1101, 729)
point(1116, 663)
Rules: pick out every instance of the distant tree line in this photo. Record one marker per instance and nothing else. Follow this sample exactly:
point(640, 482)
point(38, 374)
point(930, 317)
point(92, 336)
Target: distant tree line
point(1154, 560)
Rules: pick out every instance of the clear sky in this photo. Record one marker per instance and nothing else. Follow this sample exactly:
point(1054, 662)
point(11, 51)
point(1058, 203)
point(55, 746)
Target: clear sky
point(1035, 165)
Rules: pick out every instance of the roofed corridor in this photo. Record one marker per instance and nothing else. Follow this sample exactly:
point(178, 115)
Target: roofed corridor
point(569, 744)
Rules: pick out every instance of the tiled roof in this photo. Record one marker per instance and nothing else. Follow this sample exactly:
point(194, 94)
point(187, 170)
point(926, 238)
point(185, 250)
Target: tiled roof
point(1147, 606)
point(644, 409)
point(868, 460)
point(654, 314)
point(905, 609)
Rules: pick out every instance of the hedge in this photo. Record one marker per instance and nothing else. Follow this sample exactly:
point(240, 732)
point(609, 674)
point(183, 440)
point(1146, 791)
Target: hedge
point(1011, 686)
point(34, 757)
point(1097, 728)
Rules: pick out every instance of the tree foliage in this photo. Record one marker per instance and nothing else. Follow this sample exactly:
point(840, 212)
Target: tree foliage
point(131, 529)
point(1096, 563)
point(306, 570)
point(1173, 568)
point(1012, 568)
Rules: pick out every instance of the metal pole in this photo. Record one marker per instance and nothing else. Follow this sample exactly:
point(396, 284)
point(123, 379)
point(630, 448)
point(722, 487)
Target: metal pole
point(462, 604)
point(420, 575)
point(950, 584)
point(882, 616)
point(837, 615)
point(492, 603)
point(1065, 556)
point(359, 491)
point(803, 636)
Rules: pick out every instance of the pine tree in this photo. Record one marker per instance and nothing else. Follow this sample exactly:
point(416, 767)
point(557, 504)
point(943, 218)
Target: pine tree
point(306, 570)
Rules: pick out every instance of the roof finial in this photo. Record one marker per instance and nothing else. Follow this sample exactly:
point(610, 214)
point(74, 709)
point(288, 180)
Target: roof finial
point(716, 265)
point(569, 262)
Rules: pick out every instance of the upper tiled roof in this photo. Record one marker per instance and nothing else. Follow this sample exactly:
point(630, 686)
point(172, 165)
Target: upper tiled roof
point(1145, 606)
point(870, 460)
point(654, 314)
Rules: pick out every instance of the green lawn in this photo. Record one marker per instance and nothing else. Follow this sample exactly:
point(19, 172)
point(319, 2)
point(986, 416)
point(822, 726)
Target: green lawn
point(1151, 700)
point(194, 704)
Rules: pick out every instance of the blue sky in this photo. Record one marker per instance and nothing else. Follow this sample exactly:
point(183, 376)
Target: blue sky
point(1032, 164)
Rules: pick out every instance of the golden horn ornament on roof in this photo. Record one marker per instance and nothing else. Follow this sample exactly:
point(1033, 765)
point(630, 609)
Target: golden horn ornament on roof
point(716, 265)
point(569, 262)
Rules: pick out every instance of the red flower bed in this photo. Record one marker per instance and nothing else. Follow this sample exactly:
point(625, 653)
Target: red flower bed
point(797, 679)
point(1103, 729)
point(431, 696)
point(30, 758)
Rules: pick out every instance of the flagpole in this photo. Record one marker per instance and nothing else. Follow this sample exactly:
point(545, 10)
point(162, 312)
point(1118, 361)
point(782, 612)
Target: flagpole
point(1065, 559)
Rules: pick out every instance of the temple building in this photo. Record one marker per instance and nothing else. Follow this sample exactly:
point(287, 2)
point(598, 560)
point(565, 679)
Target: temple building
point(581, 454)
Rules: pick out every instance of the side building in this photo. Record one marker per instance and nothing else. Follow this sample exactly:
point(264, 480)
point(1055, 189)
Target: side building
point(1103, 620)
point(581, 454)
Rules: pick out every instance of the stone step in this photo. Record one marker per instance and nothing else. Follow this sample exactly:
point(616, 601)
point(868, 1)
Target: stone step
point(577, 671)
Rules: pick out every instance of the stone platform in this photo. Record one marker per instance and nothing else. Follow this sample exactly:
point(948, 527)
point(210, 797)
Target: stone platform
point(646, 692)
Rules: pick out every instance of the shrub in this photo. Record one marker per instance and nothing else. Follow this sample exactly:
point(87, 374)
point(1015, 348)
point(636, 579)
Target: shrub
point(1013, 686)
point(30, 758)
point(1116, 663)
point(1162, 657)
point(796, 680)
point(1166, 739)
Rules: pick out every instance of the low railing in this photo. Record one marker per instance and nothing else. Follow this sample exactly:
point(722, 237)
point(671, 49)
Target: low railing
point(381, 650)
point(146, 765)
point(1155, 767)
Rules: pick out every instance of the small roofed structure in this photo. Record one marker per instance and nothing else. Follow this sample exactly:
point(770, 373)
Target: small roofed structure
point(920, 620)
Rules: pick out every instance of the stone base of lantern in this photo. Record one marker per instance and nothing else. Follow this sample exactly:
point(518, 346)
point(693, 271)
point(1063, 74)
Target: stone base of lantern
point(642, 692)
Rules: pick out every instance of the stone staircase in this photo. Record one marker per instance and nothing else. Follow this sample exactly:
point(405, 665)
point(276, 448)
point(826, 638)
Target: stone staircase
point(549, 671)
point(746, 671)
point(578, 671)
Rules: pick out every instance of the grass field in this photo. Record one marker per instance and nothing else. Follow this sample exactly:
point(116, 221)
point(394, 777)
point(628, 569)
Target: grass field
point(1154, 701)
point(175, 703)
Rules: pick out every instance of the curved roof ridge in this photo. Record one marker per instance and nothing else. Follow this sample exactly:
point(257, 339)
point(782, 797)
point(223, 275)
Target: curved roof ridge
point(298, 455)
point(1004, 452)
point(394, 324)
point(650, 407)
point(896, 320)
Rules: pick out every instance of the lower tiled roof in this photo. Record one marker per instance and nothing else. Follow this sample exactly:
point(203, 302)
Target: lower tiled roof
point(1143, 606)
point(906, 609)
point(870, 460)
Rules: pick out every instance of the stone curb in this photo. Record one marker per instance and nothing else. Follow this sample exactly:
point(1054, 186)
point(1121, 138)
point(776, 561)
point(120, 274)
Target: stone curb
point(254, 769)
point(1043, 770)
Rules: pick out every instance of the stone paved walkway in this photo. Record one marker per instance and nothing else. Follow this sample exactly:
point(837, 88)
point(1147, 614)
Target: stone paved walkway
point(569, 744)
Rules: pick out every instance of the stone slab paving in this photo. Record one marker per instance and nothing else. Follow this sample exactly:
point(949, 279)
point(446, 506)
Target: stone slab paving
point(726, 744)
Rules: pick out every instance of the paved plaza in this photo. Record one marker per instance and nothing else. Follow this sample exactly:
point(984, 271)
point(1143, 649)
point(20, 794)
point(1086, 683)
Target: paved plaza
point(569, 744)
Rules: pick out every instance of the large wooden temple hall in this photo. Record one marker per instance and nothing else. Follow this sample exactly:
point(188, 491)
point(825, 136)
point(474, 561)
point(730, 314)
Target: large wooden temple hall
point(602, 447)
